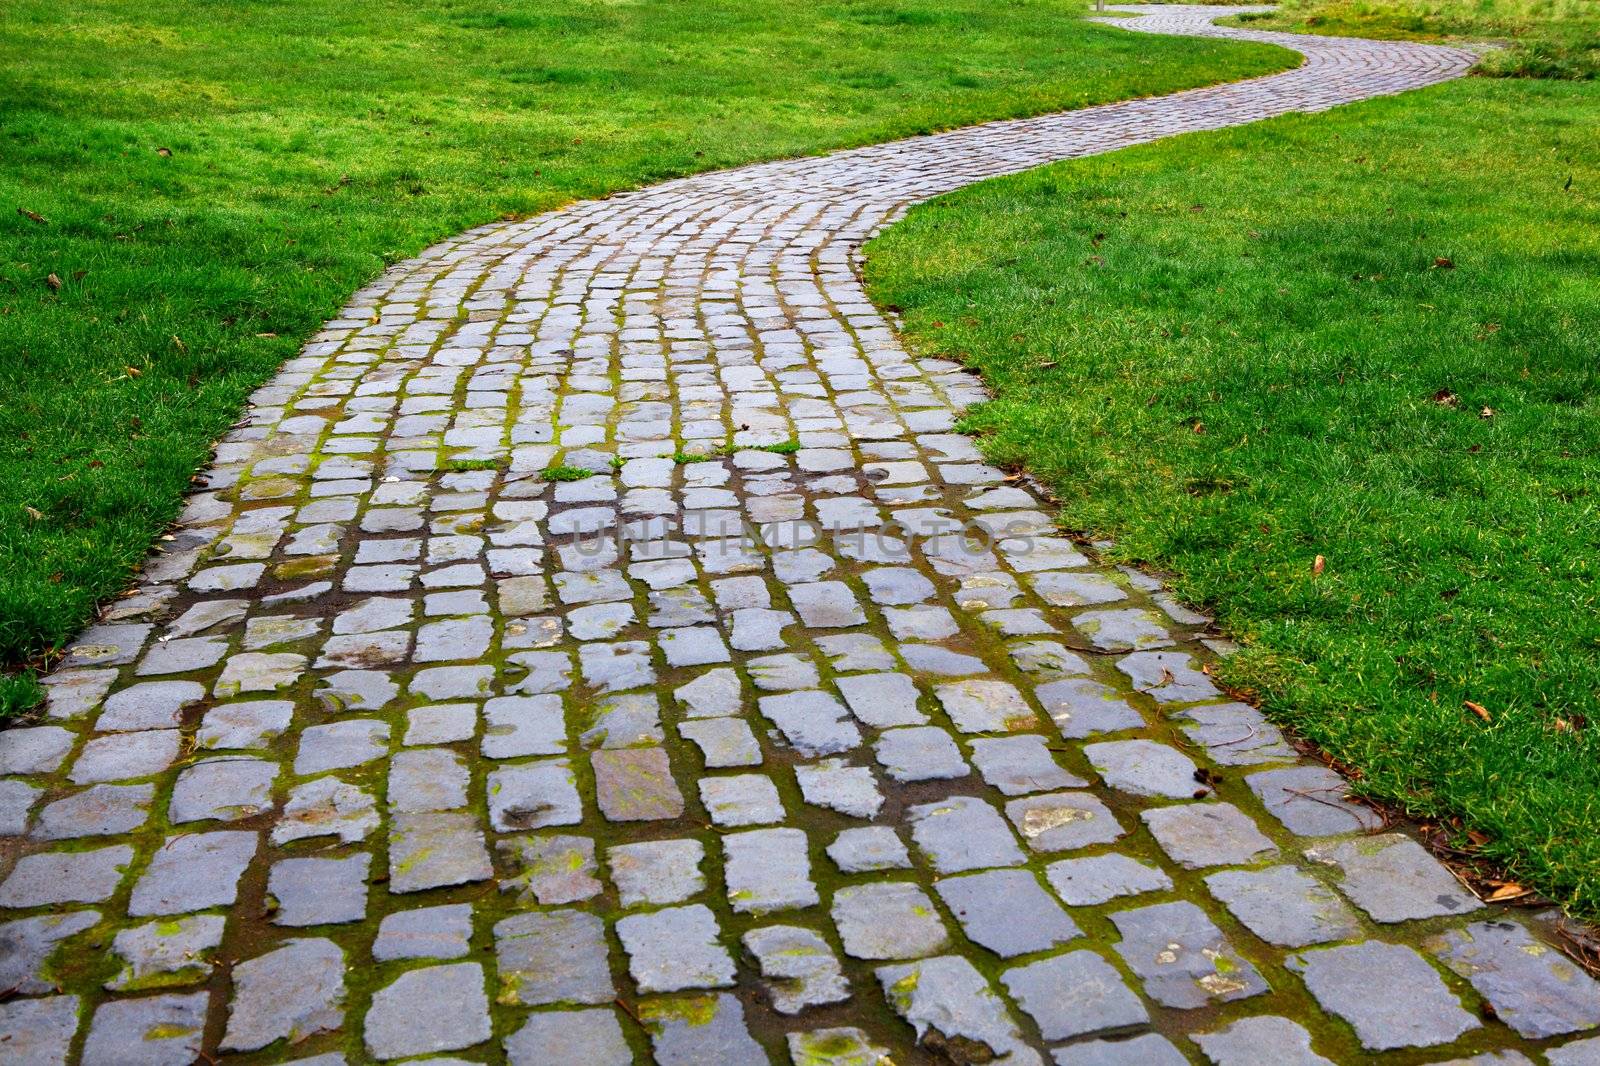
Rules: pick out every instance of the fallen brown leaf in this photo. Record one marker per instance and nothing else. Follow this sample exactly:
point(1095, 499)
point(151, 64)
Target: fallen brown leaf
point(1508, 890)
point(32, 216)
point(1319, 565)
point(53, 283)
point(1444, 263)
point(1477, 708)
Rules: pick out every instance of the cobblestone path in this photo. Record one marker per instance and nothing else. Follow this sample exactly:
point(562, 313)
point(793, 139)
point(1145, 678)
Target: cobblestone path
point(459, 717)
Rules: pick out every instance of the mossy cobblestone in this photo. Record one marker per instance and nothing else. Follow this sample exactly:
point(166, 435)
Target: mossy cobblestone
point(600, 645)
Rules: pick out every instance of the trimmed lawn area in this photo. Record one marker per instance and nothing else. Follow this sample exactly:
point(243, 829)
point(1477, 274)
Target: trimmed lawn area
point(189, 189)
point(1369, 337)
point(1542, 38)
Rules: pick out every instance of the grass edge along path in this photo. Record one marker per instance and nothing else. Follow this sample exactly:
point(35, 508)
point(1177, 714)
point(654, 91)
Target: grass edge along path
point(1365, 337)
point(189, 192)
point(1523, 38)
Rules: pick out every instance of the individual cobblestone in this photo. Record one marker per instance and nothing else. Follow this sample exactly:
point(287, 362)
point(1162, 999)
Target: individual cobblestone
point(384, 663)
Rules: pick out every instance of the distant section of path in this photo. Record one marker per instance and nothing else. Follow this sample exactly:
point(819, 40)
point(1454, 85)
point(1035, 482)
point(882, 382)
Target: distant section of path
point(792, 729)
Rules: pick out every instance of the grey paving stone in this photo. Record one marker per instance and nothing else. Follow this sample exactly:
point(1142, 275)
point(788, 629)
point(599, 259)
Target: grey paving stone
point(1007, 912)
point(27, 944)
point(1146, 1050)
point(453, 682)
point(949, 1003)
point(854, 652)
point(439, 1008)
point(657, 871)
point(65, 877)
point(1236, 734)
point(1182, 958)
point(357, 690)
point(741, 799)
point(1063, 821)
point(693, 646)
point(1284, 906)
point(759, 629)
point(1123, 629)
point(226, 789)
point(1393, 878)
point(38, 1032)
point(814, 723)
point(932, 659)
point(319, 891)
point(1096, 879)
point(551, 869)
point(289, 993)
point(246, 724)
point(193, 871)
point(919, 753)
point(840, 1046)
point(800, 969)
point(674, 949)
point(1197, 835)
point(125, 756)
point(981, 705)
point(326, 806)
point(534, 795)
point(591, 1037)
point(445, 723)
point(700, 1031)
point(1048, 660)
point(1073, 994)
point(723, 742)
point(633, 785)
point(439, 932)
point(153, 1031)
point(962, 833)
point(435, 849)
point(1083, 708)
point(1260, 1039)
point(341, 744)
point(555, 956)
point(767, 870)
point(1532, 987)
point(255, 671)
point(893, 585)
point(881, 700)
point(16, 800)
point(1310, 801)
point(524, 725)
point(920, 622)
point(453, 639)
point(1342, 980)
point(1075, 590)
point(1577, 1053)
point(1020, 764)
point(166, 953)
point(1168, 677)
point(428, 779)
point(826, 605)
point(629, 720)
point(887, 920)
point(34, 750)
point(102, 810)
point(148, 705)
point(831, 783)
point(869, 848)
point(714, 694)
point(1145, 768)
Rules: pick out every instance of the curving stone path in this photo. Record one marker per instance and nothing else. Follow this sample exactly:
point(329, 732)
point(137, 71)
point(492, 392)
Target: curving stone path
point(402, 749)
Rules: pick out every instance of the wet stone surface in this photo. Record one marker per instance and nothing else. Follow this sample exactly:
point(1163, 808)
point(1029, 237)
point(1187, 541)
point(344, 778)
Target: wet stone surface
point(404, 751)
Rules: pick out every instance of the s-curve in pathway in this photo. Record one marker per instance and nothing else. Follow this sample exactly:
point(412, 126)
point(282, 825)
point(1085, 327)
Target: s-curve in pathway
point(599, 645)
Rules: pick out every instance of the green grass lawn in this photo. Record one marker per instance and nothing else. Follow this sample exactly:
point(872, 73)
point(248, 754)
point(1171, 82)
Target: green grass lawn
point(1541, 38)
point(1371, 336)
point(187, 189)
